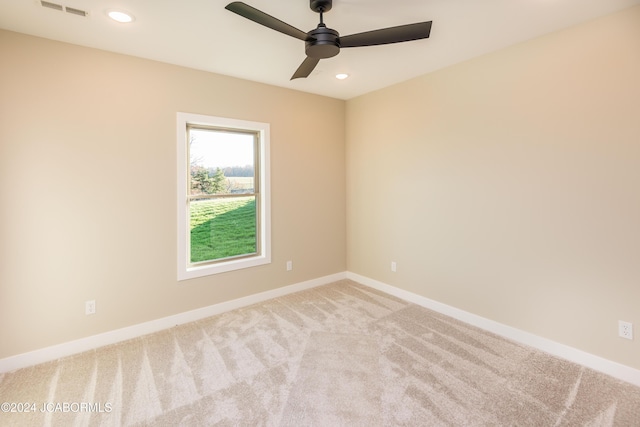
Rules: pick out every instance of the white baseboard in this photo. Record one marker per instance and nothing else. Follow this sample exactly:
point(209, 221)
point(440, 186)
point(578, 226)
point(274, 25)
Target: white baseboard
point(614, 369)
point(89, 343)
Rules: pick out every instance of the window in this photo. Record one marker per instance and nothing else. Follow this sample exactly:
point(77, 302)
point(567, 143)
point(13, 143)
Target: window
point(223, 195)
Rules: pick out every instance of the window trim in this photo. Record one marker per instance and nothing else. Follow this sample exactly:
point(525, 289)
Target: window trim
point(185, 269)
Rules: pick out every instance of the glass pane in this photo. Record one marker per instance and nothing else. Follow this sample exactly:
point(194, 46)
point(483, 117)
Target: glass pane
point(221, 162)
point(222, 228)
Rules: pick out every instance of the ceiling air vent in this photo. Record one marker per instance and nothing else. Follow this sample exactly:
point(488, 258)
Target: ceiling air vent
point(74, 11)
point(50, 5)
point(62, 8)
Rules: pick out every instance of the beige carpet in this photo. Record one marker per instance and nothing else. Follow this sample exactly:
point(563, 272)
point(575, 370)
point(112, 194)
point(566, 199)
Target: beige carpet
point(338, 382)
point(341, 354)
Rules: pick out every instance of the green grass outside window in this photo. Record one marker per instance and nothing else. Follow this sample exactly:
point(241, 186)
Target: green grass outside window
point(222, 228)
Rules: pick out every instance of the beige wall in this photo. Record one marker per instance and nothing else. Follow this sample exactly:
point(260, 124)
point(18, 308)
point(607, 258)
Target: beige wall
point(509, 186)
point(88, 189)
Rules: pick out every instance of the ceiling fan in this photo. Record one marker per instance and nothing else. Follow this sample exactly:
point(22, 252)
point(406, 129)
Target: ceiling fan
point(324, 42)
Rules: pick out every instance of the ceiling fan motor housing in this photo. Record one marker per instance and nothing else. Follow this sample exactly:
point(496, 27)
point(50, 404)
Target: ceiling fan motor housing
point(322, 43)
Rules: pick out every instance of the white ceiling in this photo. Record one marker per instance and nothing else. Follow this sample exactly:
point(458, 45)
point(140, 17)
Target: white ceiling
point(201, 34)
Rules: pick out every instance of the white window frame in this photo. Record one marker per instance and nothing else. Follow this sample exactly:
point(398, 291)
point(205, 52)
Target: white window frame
point(185, 269)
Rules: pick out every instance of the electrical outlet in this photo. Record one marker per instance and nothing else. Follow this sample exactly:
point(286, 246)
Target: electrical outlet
point(625, 329)
point(90, 307)
point(394, 266)
point(289, 265)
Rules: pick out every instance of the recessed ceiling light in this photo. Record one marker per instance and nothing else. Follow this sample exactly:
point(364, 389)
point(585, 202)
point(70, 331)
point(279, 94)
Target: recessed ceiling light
point(120, 16)
point(342, 76)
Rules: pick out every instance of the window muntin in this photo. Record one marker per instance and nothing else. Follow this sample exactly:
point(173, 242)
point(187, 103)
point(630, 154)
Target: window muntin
point(223, 195)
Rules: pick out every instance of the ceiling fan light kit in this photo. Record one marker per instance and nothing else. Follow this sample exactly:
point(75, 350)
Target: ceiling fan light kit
point(323, 42)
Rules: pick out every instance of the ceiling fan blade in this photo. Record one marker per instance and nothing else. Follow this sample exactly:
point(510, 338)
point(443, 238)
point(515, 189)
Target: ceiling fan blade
point(262, 18)
point(305, 68)
point(402, 33)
